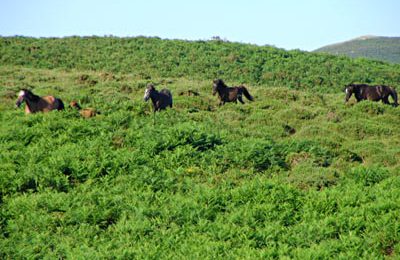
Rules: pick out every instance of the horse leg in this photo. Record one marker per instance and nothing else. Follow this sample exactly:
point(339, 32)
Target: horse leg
point(385, 100)
point(393, 93)
point(240, 99)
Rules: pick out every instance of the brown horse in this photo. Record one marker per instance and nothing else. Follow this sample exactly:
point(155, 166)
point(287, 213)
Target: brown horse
point(373, 93)
point(161, 100)
point(35, 103)
point(85, 112)
point(230, 94)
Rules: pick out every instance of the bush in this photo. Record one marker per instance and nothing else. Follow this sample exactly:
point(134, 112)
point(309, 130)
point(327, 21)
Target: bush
point(369, 176)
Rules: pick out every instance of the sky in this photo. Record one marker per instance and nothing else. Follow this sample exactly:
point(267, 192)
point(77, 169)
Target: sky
point(288, 24)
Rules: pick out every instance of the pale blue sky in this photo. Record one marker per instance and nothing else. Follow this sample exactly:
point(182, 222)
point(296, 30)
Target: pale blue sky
point(288, 24)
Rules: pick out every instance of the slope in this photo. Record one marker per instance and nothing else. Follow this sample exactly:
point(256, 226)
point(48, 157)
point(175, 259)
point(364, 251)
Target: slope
point(147, 58)
point(378, 48)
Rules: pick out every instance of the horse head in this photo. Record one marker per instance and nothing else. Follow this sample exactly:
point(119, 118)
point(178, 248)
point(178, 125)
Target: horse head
point(149, 90)
point(75, 104)
point(349, 89)
point(22, 95)
point(217, 83)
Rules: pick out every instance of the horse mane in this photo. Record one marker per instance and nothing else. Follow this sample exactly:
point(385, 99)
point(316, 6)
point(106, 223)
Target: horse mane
point(355, 86)
point(220, 83)
point(152, 88)
point(31, 96)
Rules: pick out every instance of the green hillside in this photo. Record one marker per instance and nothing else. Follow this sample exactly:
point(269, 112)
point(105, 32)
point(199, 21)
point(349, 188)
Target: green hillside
point(146, 58)
point(296, 174)
point(378, 48)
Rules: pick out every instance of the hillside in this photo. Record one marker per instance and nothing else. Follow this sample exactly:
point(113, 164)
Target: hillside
point(296, 174)
point(147, 58)
point(377, 48)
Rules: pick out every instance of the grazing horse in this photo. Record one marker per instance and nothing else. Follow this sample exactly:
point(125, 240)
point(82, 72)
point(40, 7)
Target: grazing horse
point(161, 99)
point(230, 94)
point(373, 93)
point(35, 103)
point(85, 112)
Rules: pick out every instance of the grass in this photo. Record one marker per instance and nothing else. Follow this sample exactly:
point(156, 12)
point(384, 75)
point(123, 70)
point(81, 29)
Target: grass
point(295, 174)
point(153, 58)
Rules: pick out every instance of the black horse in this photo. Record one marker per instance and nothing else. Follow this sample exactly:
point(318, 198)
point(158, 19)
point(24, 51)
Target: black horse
point(161, 100)
point(230, 94)
point(373, 93)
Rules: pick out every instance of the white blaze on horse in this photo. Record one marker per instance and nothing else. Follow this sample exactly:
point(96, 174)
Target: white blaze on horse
point(34, 103)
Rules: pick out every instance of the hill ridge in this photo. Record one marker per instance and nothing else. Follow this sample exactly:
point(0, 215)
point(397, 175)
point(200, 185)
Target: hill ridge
point(381, 48)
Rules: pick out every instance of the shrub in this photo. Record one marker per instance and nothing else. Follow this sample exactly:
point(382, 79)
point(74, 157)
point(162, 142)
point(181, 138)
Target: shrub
point(369, 176)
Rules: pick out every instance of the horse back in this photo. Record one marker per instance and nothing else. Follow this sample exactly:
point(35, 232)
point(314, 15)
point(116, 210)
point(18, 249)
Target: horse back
point(164, 99)
point(380, 91)
point(373, 93)
point(166, 92)
point(229, 94)
point(50, 103)
point(364, 91)
point(167, 95)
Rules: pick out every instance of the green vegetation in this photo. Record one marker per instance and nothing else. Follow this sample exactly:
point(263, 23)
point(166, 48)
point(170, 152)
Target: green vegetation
point(378, 48)
point(295, 174)
point(152, 58)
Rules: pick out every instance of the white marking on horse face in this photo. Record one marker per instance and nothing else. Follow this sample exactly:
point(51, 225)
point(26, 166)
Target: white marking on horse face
point(347, 91)
point(146, 94)
point(21, 93)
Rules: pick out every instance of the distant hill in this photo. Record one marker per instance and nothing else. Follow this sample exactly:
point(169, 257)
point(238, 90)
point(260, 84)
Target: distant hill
point(373, 47)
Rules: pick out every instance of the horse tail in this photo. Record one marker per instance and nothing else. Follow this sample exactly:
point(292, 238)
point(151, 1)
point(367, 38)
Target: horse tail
point(170, 98)
point(393, 93)
point(60, 104)
point(247, 94)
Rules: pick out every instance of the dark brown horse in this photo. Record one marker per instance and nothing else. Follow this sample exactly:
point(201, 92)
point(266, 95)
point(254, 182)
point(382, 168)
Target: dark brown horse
point(373, 93)
point(230, 94)
point(35, 103)
point(161, 99)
